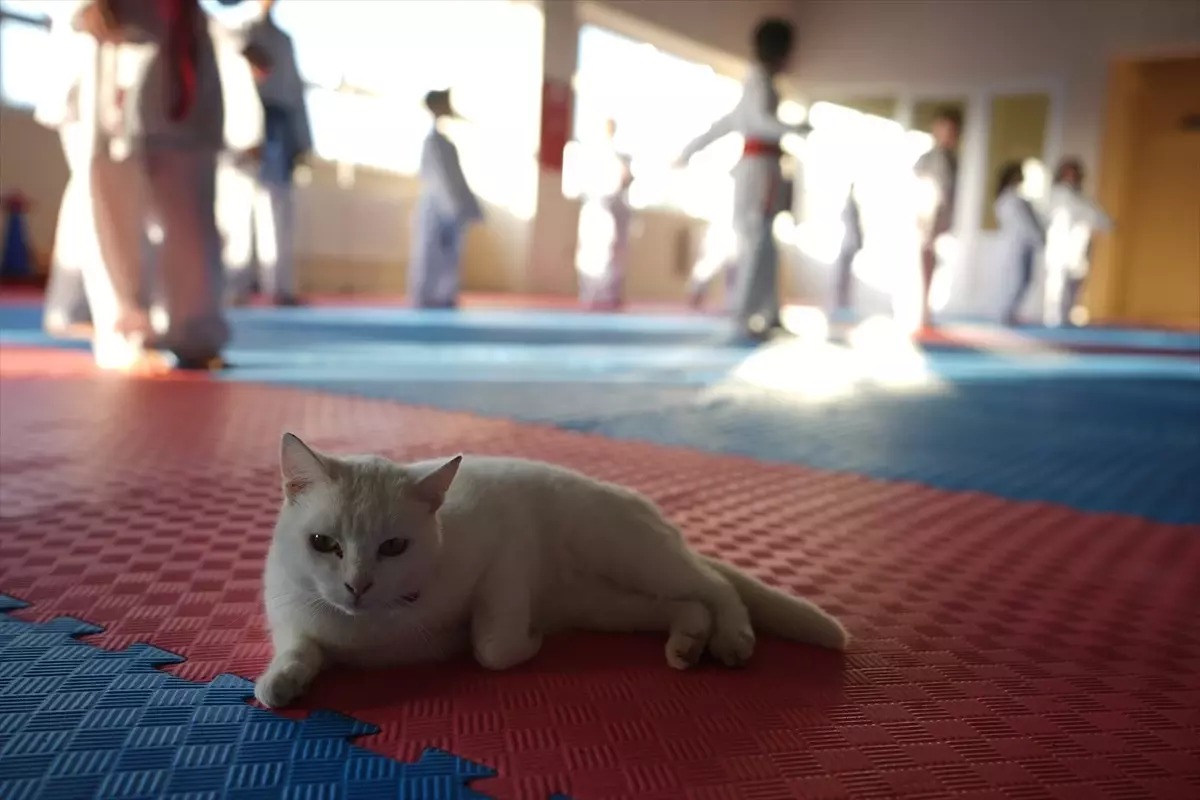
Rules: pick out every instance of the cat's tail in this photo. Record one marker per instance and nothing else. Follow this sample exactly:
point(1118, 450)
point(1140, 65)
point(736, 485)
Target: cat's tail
point(781, 614)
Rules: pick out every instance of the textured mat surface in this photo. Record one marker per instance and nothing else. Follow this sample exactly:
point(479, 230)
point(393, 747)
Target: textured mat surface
point(1112, 433)
point(1002, 649)
point(80, 723)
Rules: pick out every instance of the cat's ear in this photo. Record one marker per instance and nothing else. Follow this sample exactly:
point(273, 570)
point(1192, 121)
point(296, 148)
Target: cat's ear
point(301, 467)
point(431, 490)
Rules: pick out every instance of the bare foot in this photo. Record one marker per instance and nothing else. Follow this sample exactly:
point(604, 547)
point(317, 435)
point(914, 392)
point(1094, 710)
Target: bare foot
point(126, 353)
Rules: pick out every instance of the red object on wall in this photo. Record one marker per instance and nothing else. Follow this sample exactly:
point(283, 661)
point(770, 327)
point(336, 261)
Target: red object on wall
point(557, 98)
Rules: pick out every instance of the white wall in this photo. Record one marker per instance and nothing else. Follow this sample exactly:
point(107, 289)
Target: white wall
point(976, 48)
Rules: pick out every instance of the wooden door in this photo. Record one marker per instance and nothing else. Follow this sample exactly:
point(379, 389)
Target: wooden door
point(1158, 228)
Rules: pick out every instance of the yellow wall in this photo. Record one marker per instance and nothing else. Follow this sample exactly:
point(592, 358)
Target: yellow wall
point(1148, 270)
point(925, 110)
point(1017, 133)
point(876, 106)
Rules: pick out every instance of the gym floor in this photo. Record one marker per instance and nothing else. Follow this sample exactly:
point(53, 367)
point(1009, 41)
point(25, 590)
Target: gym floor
point(1007, 521)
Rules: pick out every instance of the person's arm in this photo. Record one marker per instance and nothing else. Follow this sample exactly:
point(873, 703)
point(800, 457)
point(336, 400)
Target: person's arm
point(1028, 221)
point(297, 103)
point(450, 182)
point(1098, 219)
point(752, 116)
point(97, 18)
point(719, 129)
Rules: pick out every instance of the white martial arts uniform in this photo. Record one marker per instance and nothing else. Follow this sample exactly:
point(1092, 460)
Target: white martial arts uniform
point(1020, 238)
point(718, 256)
point(147, 166)
point(71, 57)
point(760, 194)
point(445, 207)
point(265, 238)
point(1073, 221)
point(602, 250)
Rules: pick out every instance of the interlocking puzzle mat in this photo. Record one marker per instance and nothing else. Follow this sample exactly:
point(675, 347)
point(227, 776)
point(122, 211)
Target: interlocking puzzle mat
point(1003, 649)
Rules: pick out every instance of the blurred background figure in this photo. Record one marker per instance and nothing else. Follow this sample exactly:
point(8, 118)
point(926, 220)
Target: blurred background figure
point(1073, 219)
point(605, 218)
point(718, 258)
point(1021, 236)
point(267, 257)
point(159, 127)
point(446, 206)
point(760, 192)
point(72, 58)
point(852, 243)
point(937, 178)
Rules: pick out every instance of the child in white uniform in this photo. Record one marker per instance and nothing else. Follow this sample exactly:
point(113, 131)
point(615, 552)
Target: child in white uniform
point(760, 191)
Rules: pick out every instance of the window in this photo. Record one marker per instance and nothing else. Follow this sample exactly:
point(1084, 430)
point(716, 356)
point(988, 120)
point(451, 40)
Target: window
point(369, 63)
point(674, 101)
point(874, 154)
point(24, 42)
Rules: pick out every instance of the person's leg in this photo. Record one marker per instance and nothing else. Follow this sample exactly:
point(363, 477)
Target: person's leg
point(611, 289)
point(274, 237)
point(756, 303)
point(114, 277)
point(237, 217)
point(844, 278)
point(182, 184)
point(66, 310)
point(928, 267)
point(449, 265)
point(1024, 277)
point(1072, 288)
point(422, 254)
point(1053, 296)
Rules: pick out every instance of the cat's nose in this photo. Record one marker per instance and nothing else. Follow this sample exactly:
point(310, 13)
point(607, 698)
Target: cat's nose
point(358, 592)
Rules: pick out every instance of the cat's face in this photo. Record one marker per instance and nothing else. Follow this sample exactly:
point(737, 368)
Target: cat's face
point(360, 533)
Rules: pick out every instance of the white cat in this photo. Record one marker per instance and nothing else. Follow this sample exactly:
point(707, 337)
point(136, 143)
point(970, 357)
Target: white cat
point(375, 563)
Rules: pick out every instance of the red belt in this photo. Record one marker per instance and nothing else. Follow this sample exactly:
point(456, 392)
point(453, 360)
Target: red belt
point(758, 147)
point(182, 18)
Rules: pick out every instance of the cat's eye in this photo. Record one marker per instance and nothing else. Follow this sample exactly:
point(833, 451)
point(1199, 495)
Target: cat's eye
point(393, 547)
point(325, 544)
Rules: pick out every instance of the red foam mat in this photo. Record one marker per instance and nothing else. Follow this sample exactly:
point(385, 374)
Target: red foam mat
point(1003, 650)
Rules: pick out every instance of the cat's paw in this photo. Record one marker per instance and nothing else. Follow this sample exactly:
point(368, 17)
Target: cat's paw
point(684, 649)
point(732, 646)
point(500, 653)
point(282, 684)
point(689, 634)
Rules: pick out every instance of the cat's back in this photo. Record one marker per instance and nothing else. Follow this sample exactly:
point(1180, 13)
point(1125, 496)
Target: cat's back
point(503, 487)
point(504, 476)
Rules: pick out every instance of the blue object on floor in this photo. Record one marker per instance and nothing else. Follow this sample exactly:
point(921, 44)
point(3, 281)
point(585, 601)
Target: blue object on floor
point(81, 723)
point(15, 262)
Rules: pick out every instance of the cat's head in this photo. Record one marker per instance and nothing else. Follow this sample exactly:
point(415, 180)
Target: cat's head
point(361, 533)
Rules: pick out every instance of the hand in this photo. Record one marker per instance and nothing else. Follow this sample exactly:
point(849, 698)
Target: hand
point(97, 20)
point(680, 163)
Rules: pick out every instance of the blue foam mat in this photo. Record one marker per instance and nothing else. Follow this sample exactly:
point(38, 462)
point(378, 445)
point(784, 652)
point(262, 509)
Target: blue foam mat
point(1106, 433)
point(81, 723)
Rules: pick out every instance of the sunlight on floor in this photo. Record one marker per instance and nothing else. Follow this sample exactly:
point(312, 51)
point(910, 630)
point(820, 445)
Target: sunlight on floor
point(875, 353)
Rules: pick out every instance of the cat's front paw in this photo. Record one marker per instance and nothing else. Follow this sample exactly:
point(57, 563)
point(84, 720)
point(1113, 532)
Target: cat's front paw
point(282, 684)
point(732, 646)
